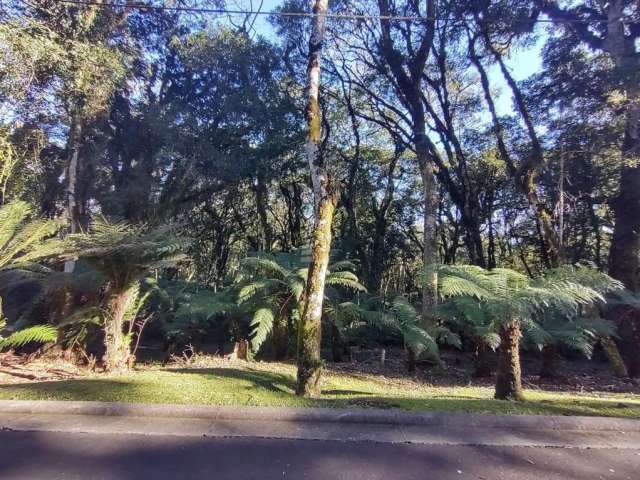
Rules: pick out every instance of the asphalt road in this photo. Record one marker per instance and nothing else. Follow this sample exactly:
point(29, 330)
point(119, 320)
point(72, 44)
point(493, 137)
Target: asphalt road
point(52, 456)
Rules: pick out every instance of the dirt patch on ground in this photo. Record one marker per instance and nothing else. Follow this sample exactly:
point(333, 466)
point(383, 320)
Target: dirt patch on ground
point(38, 367)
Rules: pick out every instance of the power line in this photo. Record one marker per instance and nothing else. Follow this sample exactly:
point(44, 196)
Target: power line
point(337, 16)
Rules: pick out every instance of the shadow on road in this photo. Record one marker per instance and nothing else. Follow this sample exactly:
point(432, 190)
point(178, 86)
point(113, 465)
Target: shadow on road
point(39, 455)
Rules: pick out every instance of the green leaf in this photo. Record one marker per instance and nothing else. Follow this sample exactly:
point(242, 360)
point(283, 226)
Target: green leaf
point(262, 324)
point(36, 334)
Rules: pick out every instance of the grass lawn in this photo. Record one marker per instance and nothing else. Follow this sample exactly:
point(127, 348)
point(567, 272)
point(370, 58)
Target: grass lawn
point(271, 384)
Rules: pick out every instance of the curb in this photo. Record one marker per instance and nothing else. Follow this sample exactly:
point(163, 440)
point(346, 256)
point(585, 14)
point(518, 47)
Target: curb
point(319, 415)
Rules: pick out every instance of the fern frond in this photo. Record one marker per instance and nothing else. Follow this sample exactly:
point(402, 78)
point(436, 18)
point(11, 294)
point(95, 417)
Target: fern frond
point(23, 240)
point(444, 336)
point(35, 334)
point(346, 280)
point(420, 341)
point(249, 291)
point(264, 266)
point(456, 287)
point(262, 324)
point(535, 333)
point(343, 265)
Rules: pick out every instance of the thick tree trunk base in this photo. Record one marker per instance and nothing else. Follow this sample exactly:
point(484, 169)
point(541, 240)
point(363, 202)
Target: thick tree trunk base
point(411, 361)
point(613, 355)
point(629, 343)
point(117, 356)
point(308, 384)
point(508, 379)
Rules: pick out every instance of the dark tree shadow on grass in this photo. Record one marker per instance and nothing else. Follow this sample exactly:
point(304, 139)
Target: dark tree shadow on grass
point(275, 382)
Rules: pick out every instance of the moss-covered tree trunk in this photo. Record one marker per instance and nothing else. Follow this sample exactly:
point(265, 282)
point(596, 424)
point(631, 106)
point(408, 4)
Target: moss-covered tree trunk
point(508, 379)
point(117, 342)
point(309, 331)
point(624, 255)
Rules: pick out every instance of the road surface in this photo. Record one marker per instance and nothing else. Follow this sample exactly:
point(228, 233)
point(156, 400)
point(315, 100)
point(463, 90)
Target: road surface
point(35, 455)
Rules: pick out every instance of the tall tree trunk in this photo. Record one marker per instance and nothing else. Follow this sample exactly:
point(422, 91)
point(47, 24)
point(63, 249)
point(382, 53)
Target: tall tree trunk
point(309, 332)
point(262, 199)
point(525, 176)
point(624, 256)
point(408, 72)
point(508, 379)
point(71, 177)
point(430, 252)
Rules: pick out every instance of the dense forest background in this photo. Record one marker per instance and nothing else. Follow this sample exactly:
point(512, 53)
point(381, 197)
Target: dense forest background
point(435, 152)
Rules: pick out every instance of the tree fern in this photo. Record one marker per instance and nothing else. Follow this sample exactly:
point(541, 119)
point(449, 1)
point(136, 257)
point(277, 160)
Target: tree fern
point(512, 302)
point(24, 239)
point(503, 293)
point(123, 253)
point(277, 285)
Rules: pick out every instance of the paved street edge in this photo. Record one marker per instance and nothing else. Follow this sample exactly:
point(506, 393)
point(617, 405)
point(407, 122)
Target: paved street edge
point(324, 415)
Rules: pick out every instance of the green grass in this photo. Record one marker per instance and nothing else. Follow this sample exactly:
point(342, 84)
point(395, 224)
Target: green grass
point(272, 385)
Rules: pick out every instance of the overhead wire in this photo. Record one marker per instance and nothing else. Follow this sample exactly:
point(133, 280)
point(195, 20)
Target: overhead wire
point(282, 13)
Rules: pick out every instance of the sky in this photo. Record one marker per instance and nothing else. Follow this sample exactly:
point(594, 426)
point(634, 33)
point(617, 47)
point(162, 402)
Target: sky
point(523, 63)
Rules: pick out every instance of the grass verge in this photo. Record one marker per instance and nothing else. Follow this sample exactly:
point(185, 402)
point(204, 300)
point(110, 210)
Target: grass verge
point(272, 384)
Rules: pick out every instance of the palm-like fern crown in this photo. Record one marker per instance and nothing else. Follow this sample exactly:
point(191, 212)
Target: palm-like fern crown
point(506, 294)
point(478, 301)
point(23, 238)
point(271, 289)
point(124, 252)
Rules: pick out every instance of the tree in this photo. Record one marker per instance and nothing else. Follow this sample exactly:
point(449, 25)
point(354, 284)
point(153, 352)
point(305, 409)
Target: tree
point(407, 71)
point(616, 34)
point(513, 300)
point(325, 196)
point(123, 253)
point(77, 53)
